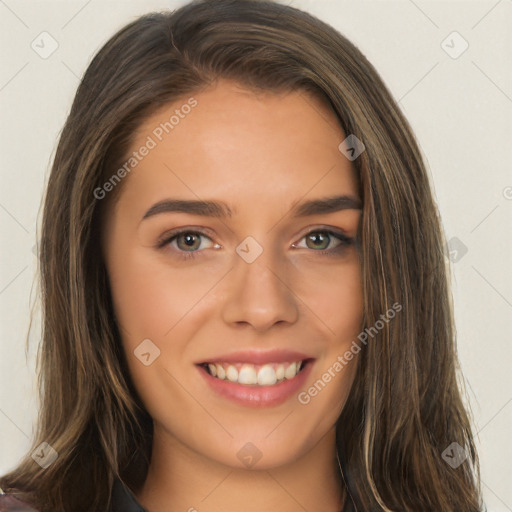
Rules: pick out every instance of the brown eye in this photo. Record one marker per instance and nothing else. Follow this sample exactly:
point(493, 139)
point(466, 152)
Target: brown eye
point(325, 242)
point(188, 241)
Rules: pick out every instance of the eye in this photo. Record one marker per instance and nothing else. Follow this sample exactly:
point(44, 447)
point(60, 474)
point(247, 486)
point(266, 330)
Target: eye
point(322, 240)
point(186, 242)
point(189, 241)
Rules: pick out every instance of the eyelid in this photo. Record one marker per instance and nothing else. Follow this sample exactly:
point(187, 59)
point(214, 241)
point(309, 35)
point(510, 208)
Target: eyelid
point(338, 233)
point(168, 237)
point(329, 229)
point(208, 233)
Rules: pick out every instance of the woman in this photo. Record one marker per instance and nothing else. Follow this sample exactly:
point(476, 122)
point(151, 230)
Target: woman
point(246, 305)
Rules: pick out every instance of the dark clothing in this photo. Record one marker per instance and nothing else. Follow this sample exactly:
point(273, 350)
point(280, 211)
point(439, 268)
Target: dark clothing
point(10, 503)
point(123, 499)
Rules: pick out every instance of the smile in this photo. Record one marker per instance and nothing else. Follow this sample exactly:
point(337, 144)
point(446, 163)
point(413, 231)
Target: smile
point(258, 382)
point(268, 374)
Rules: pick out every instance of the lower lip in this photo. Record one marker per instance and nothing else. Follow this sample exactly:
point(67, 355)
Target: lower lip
point(257, 396)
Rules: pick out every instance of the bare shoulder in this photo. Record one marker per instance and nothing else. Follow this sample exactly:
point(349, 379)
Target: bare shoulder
point(12, 503)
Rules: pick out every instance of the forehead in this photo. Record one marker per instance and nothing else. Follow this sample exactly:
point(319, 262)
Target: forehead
point(232, 142)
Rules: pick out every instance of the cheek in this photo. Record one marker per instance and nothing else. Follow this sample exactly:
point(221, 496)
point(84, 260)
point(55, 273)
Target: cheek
point(166, 306)
point(322, 402)
point(338, 306)
point(335, 298)
point(150, 299)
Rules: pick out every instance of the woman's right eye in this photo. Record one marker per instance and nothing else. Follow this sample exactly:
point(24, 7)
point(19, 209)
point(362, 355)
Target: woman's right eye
point(186, 242)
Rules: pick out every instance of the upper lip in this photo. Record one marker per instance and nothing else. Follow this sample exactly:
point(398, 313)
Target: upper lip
point(258, 357)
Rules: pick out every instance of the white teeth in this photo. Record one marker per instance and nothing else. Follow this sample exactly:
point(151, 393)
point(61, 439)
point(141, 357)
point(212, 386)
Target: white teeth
point(267, 376)
point(251, 375)
point(221, 373)
point(291, 371)
point(247, 375)
point(232, 373)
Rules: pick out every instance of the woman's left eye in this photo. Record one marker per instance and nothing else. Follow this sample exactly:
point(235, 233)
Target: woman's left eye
point(320, 240)
point(187, 242)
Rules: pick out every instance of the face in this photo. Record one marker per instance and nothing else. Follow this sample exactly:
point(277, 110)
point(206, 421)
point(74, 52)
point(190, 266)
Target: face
point(258, 284)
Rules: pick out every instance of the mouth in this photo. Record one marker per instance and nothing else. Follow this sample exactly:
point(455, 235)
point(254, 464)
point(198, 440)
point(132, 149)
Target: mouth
point(257, 380)
point(247, 374)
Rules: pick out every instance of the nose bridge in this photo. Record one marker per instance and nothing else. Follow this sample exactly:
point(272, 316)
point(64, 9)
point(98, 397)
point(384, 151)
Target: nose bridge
point(259, 293)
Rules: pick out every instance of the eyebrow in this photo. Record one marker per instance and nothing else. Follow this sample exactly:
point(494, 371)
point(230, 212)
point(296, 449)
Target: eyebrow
point(219, 209)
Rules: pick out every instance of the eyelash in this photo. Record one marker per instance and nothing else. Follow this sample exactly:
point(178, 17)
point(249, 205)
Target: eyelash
point(186, 255)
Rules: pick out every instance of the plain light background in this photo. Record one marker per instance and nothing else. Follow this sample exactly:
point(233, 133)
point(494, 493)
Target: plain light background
point(459, 104)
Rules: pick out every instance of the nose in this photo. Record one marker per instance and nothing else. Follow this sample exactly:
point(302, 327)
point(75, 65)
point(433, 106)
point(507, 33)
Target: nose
point(258, 294)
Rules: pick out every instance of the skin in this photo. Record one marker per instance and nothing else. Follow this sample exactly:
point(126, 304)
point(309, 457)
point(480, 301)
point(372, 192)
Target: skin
point(259, 153)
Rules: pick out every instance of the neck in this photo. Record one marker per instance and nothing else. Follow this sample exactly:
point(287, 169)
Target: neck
point(182, 479)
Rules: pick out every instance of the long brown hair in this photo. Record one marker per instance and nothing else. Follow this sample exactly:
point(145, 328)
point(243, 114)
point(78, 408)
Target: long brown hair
point(405, 406)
